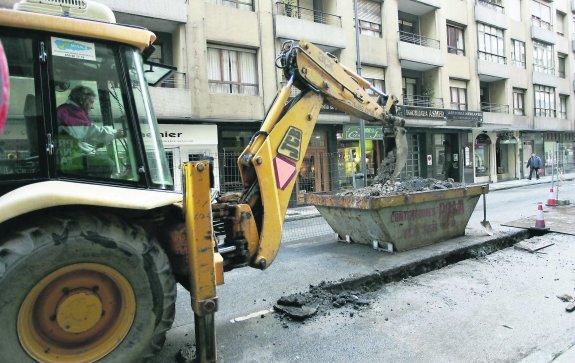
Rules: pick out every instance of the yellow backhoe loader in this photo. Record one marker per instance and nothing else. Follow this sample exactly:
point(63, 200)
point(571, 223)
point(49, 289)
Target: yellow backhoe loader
point(92, 236)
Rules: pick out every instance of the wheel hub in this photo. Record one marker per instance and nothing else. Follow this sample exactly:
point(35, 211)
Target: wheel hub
point(79, 312)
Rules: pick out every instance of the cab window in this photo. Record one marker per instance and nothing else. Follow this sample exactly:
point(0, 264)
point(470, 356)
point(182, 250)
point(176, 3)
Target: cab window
point(19, 143)
point(93, 137)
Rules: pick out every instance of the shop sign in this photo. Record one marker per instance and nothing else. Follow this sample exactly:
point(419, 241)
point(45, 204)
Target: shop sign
point(439, 114)
point(352, 132)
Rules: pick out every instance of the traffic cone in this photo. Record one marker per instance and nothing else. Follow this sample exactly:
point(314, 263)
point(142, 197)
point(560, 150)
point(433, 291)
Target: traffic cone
point(551, 199)
point(539, 221)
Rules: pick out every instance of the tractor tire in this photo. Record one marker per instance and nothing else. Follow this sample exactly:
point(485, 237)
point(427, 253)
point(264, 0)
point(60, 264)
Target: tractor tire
point(79, 287)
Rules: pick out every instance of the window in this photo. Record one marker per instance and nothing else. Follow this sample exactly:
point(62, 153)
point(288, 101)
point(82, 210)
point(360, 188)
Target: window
point(541, 15)
point(515, 9)
point(544, 101)
point(518, 101)
point(563, 106)
point(490, 43)
point(458, 92)
point(518, 53)
point(375, 77)
point(231, 70)
point(560, 23)
point(561, 58)
point(543, 57)
point(240, 4)
point(369, 13)
point(409, 90)
point(20, 151)
point(455, 44)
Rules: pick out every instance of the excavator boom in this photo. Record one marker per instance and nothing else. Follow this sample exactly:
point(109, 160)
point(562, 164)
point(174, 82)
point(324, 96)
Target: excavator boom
point(270, 163)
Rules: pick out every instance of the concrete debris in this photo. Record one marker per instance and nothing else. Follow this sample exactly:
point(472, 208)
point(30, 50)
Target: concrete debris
point(319, 299)
point(297, 312)
point(187, 354)
point(565, 297)
point(406, 186)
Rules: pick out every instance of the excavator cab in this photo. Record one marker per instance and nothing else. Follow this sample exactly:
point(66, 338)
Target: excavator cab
point(79, 110)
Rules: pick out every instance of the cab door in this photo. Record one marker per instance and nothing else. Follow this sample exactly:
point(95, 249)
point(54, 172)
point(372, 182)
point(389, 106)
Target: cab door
point(25, 142)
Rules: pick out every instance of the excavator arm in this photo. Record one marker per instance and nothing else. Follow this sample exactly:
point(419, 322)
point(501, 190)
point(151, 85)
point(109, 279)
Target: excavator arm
point(270, 163)
point(246, 228)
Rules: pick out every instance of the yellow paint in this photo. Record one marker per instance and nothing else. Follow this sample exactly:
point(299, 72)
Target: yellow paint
point(199, 221)
point(302, 115)
point(50, 321)
point(79, 312)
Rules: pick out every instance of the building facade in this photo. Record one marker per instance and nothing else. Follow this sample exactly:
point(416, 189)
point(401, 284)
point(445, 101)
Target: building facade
point(481, 83)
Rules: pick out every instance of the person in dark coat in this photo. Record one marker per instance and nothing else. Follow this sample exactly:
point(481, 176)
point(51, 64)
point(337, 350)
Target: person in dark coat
point(534, 163)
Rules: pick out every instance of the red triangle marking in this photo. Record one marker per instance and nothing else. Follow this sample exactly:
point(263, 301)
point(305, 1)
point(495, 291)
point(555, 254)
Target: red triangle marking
point(285, 171)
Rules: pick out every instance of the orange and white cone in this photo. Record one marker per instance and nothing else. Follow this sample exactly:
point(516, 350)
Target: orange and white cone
point(551, 199)
point(539, 221)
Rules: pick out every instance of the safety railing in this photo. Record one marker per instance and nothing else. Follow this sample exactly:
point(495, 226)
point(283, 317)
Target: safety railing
point(543, 68)
point(492, 4)
point(294, 11)
point(494, 107)
point(418, 39)
point(175, 80)
point(492, 57)
point(423, 101)
point(540, 23)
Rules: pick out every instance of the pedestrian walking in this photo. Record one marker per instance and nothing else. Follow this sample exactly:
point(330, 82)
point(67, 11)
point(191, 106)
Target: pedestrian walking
point(534, 163)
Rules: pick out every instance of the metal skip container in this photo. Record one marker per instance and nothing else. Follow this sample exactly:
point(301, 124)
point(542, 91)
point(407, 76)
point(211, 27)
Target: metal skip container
point(406, 221)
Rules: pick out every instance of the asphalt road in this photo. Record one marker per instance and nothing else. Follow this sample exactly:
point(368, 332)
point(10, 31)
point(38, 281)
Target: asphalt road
point(498, 308)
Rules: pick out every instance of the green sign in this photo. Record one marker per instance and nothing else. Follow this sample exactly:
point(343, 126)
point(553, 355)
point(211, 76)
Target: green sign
point(351, 132)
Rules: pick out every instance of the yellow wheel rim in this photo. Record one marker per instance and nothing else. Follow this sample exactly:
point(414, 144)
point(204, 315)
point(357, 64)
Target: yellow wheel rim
point(78, 313)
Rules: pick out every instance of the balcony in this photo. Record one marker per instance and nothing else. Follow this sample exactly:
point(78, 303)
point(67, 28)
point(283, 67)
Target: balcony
point(423, 101)
point(491, 67)
point(494, 107)
point(542, 30)
point(296, 22)
point(172, 99)
point(491, 12)
point(418, 7)
point(495, 114)
point(173, 11)
point(419, 53)
point(545, 75)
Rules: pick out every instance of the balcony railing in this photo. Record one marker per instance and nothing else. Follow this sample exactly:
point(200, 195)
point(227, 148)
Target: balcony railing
point(490, 57)
point(175, 80)
point(418, 39)
point(423, 101)
point(494, 107)
point(545, 112)
point(307, 14)
point(540, 23)
point(492, 4)
point(547, 69)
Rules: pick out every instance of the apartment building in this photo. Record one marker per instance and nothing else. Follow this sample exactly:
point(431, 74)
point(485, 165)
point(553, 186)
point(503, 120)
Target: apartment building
point(481, 83)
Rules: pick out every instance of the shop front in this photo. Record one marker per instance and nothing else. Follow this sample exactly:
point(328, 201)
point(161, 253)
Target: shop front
point(506, 157)
point(349, 154)
point(558, 148)
point(187, 142)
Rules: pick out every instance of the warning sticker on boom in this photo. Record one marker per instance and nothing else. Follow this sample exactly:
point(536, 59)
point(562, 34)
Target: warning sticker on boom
point(290, 146)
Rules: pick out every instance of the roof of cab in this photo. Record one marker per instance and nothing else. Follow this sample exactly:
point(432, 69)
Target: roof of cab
point(138, 37)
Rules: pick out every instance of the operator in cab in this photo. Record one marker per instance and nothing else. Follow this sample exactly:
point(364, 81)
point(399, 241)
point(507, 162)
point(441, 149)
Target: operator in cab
point(80, 138)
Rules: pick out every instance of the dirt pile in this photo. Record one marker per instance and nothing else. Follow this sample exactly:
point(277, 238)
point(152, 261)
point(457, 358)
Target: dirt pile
point(320, 300)
point(405, 186)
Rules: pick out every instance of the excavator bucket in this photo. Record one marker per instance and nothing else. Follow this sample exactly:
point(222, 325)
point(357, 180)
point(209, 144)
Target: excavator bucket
point(400, 151)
